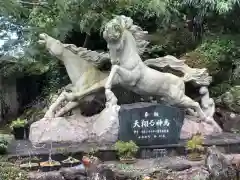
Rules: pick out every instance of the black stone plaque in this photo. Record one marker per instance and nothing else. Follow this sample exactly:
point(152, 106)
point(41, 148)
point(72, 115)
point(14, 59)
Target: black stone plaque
point(150, 124)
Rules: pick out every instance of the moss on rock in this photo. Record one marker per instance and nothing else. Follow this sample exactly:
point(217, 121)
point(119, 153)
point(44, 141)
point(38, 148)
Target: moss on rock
point(230, 99)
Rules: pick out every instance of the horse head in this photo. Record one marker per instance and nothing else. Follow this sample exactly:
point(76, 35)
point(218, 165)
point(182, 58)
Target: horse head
point(54, 46)
point(113, 34)
point(122, 36)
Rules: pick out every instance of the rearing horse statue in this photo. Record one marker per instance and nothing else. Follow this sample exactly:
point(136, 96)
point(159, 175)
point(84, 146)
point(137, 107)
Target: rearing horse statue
point(82, 68)
point(130, 71)
point(85, 77)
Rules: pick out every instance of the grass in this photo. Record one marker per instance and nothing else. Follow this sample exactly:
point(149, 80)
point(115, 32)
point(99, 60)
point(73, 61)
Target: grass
point(9, 171)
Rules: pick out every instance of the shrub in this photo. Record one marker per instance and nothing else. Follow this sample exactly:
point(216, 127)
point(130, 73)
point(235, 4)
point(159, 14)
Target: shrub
point(195, 143)
point(3, 146)
point(126, 149)
point(18, 123)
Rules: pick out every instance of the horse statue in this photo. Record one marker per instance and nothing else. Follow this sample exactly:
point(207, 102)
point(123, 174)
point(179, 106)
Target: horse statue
point(85, 77)
point(82, 66)
point(131, 72)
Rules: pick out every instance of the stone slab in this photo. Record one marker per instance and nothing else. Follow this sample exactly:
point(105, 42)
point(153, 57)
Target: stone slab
point(101, 128)
point(150, 124)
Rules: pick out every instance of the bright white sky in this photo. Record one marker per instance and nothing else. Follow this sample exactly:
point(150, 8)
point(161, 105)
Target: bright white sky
point(13, 36)
point(15, 51)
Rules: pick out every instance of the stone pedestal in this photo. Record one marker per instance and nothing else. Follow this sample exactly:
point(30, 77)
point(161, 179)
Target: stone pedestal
point(192, 125)
point(103, 128)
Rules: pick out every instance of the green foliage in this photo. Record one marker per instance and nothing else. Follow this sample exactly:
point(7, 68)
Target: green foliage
point(230, 99)
point(20, 67)
point(62, 18)
point(10, 171)
point(58, 18)
point(220, 88)
point(208, 7)
point(3, 146)
point(18, 123)
point(126, 149)
point(219, 54)
point(10, 8)
point(32, 112)
point(170, 41)
point(3, 149)
point(195, 143)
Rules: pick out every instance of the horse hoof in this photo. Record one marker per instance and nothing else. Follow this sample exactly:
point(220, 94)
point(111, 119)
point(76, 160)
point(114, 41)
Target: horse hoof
point(49, 115)
point(108, 91)
point(209, 121)
point(110, 104)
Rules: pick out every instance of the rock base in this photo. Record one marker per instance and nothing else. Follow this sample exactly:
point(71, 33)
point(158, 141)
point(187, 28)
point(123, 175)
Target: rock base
point(191, 126)
point(99, 129)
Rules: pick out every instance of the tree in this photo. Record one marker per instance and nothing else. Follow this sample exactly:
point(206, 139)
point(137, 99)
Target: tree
point(80, 21)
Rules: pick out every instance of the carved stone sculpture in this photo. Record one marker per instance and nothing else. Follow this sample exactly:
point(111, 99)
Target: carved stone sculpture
point(82, 66)
point(123, 38)
point(207, 103)
point(100, 129)
point(83, 75)
point(208, 106)
point(199, 77)
point(86, 78)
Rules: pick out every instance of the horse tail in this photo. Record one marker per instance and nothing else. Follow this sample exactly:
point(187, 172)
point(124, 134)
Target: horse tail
point(187, 77)
point(198, 76)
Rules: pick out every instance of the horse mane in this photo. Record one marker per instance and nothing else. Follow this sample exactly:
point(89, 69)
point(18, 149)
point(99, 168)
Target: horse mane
point(139, 36)
point(138, 33)
point(93, 56)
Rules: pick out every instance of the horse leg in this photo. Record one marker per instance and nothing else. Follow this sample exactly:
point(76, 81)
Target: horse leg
point(191, 112)
point(62, 97)
point(116, 76)
point(189, 103)
point(76, 97)
point(110, 79)
point(51, 110)
point(95, 87)
point(69, 106)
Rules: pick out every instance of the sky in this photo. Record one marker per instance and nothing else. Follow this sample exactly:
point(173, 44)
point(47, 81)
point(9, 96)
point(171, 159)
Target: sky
point(1, 42)
point(12, 52)
point(13, 36)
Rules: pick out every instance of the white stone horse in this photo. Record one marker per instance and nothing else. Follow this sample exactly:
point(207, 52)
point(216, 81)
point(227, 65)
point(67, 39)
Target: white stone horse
point(129, 70)
point(85, 77)
point(82, 68)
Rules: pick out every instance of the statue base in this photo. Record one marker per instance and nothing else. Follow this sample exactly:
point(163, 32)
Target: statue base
point(102, 128)
point(192, 125)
